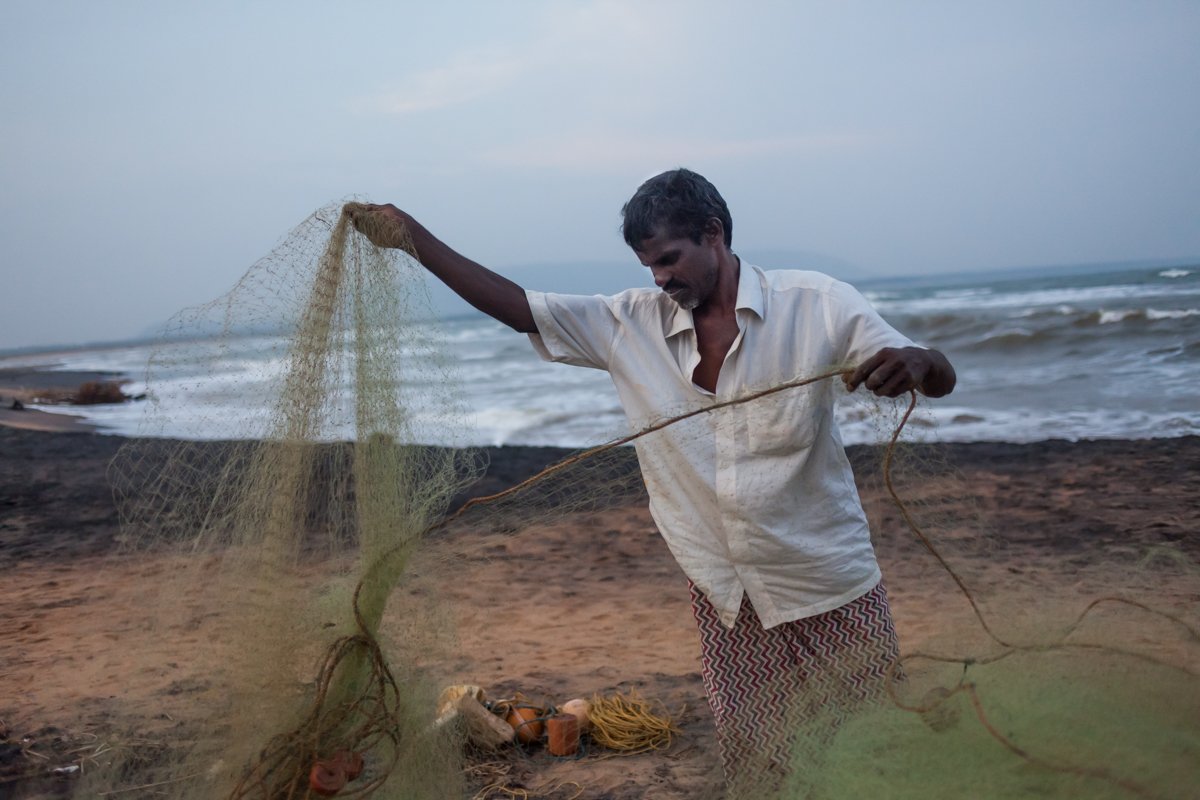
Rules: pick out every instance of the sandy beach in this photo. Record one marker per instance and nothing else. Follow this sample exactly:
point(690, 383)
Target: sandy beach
point(608, 611)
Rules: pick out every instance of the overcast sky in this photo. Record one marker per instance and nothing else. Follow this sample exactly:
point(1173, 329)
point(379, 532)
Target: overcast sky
point(151, 152)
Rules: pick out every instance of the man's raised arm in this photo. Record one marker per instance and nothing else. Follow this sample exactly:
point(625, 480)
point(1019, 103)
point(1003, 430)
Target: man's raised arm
point(492, 294)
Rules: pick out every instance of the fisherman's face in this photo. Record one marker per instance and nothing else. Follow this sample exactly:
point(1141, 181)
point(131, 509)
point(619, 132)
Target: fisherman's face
point(685, 270)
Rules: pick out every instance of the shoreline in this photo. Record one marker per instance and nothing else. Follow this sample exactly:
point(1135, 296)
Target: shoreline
point(79, 456)
point(573, 415)
point(33, 419)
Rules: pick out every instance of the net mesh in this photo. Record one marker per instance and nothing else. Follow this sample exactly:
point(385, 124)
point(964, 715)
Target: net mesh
point(302, 541)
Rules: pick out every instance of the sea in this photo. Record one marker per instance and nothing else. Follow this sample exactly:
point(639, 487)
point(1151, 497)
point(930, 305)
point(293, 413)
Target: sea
point(1086, 352)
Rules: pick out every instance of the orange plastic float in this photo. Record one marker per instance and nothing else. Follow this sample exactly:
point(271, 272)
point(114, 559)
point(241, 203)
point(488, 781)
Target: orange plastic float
point(562, 734)
point(525, 720)
point(327, 778)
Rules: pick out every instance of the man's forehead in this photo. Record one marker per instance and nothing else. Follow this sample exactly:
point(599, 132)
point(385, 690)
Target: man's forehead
point(659, 243)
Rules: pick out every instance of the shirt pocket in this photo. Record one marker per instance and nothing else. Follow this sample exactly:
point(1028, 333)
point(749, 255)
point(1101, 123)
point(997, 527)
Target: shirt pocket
point(783, 423)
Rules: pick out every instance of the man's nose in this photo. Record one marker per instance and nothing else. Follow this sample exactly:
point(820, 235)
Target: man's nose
point(661, 276)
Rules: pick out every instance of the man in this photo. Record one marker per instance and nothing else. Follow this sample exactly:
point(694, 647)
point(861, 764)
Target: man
point(755, 500)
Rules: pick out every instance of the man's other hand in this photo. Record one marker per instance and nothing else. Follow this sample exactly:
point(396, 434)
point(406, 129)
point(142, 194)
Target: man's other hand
point(893, 371)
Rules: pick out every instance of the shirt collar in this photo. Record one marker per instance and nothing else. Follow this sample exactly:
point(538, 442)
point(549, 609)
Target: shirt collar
point(679, 321)
point(750, 290)
point(749, 297)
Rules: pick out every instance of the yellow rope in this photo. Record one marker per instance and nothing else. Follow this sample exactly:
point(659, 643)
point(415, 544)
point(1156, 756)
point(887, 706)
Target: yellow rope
point(628, 724)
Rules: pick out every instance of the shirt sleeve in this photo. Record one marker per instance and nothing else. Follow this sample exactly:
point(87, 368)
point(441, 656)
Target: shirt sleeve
point(573, 329)
point(856, 326)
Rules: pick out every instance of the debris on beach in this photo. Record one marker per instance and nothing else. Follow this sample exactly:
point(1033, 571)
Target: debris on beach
point(617, 722)
point(99, 393)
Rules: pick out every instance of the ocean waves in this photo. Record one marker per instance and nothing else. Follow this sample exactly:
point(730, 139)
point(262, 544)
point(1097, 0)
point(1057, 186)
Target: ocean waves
point(1044, 330)
point(1077, 356)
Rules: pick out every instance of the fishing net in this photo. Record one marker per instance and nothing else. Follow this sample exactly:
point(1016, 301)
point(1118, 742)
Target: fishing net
point(297, 533)
point(313, 546)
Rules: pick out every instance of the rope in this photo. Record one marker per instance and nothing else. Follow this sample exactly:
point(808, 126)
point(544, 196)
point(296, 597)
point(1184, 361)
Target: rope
point(628, 724)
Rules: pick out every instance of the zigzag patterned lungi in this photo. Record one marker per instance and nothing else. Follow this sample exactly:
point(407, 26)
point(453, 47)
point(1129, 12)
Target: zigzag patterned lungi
point(780, 694)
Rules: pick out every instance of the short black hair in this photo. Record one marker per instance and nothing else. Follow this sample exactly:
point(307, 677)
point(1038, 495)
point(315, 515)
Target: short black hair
point(681, 201)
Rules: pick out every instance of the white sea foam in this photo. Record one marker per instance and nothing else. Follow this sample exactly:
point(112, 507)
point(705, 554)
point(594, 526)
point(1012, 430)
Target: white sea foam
point(1024, 300)
point(1009, 333)
point(1174, 273)
point(957, 294)
point(1061, 310)
point(1109, 317)
point(1173, 313)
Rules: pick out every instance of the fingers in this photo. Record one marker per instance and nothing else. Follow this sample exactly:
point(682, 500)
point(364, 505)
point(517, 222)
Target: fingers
point(863, 371)
point(888, 373)
point(886, 378)
point(892, 384)
point(383, 225)
point(359, 211)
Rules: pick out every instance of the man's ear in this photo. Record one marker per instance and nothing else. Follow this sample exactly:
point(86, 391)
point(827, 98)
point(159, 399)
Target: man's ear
point(714, 231)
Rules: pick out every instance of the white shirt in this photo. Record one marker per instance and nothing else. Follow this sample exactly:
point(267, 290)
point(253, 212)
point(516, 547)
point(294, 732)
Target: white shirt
point(758, 497)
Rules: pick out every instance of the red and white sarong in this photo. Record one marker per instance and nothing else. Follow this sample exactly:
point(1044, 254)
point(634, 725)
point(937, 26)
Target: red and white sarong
point(781, 693)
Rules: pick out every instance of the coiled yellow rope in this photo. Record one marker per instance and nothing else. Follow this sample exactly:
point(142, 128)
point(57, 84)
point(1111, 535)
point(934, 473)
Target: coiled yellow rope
point(628, 724)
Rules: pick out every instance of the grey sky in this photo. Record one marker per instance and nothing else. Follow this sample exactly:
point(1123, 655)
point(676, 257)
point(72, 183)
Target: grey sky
point(150, 152)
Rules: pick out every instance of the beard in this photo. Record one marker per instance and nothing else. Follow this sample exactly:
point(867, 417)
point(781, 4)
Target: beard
point(685, 298)
point(688, 302)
